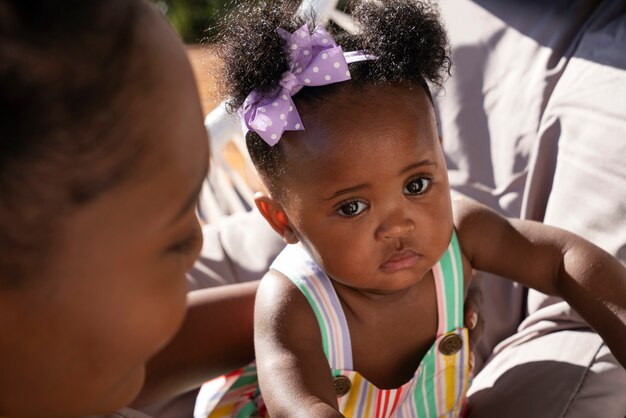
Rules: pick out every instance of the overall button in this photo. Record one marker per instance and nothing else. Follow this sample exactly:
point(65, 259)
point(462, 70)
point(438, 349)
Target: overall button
point(450, 344)
point(342, 385)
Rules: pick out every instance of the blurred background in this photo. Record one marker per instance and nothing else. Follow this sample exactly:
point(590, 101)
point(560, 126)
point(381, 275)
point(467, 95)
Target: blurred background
point(196, 20)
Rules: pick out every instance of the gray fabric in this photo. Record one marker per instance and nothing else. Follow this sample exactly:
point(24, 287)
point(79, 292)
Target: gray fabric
point(569, 373)
point(507, 57)
point(550, 108)
point(237, 249)
point(586, 116)
point(601, 392)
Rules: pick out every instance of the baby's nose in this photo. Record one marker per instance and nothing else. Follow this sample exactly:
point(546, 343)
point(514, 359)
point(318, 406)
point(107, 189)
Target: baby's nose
point(396, 225)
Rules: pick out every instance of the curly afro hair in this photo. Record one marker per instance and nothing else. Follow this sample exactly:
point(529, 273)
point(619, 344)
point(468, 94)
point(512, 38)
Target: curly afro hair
point(407, 36)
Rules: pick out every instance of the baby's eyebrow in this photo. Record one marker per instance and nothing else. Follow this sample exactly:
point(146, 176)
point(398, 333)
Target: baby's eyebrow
point(358, 187)
point(347, 190)
point(417, 165)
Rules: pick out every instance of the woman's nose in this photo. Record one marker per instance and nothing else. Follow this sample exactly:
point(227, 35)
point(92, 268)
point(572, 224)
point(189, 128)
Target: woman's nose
point(396, 225)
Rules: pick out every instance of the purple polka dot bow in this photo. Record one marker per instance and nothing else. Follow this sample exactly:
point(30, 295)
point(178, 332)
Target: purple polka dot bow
point(314, 60)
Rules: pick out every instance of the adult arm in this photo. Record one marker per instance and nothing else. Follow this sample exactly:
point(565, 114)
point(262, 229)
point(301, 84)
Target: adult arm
point(216, 337)
point(551, 260)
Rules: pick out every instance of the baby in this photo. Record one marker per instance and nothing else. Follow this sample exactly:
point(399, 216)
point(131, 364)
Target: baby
point(363, 314)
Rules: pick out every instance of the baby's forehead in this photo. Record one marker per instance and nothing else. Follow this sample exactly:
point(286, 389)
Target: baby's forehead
point(359, 133)
point(363, 113)
point(349, 98)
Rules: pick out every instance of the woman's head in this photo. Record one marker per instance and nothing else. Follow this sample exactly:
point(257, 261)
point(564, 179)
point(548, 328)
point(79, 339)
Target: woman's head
point(54, 111)
point(364, 187)
point(102, 153)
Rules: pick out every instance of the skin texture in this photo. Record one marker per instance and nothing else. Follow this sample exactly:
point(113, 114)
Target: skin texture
point(82, 331)
point(365, 144)
point(215, 338)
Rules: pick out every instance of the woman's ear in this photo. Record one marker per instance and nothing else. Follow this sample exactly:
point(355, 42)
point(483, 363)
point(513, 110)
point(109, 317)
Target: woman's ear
point(274, 214)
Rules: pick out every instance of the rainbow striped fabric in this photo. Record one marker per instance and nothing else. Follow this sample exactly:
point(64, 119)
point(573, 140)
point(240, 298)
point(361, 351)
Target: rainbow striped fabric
point(437, 388)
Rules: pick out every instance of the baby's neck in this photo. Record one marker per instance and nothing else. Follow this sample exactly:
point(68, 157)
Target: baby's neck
point(407, 318)
point(374, 296)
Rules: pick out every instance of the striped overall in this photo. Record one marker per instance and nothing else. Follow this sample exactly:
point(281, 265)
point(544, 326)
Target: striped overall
point(437, 388)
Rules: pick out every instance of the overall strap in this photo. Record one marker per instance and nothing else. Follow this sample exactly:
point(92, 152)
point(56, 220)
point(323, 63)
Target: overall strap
point(448, 274)
point(443, 378)
point(295, 263)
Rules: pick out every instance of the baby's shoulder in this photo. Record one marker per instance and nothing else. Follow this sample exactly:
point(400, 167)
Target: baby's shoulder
point(473, 221)
point(280, 306)
point(467, 211)
point(492, 242)
point(281, 291)
point(475, 225)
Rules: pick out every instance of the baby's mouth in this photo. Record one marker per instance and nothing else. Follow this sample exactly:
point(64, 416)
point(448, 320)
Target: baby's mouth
point(400, 260)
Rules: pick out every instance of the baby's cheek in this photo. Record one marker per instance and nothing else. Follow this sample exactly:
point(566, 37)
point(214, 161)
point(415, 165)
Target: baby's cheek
point(356, 261)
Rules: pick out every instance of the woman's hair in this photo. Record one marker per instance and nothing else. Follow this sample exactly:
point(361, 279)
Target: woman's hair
point(406, 36)
point(63, 69)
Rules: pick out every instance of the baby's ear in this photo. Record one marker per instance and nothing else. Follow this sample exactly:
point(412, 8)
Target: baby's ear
point(274, 214)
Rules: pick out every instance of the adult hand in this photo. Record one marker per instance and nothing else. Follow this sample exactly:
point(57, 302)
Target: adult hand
point(473, 320)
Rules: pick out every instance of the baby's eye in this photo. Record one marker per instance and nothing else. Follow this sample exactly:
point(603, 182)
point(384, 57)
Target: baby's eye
point(417, 186)
point(351, 208)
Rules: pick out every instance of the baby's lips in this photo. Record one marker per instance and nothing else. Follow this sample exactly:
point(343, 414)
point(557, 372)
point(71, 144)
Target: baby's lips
point(400, 260)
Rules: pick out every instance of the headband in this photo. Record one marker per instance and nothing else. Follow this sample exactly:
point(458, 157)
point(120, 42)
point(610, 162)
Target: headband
point(314, 60)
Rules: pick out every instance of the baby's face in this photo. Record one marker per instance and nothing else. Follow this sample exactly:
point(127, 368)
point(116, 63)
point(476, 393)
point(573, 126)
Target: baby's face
point(80, 333)
point(368, 190)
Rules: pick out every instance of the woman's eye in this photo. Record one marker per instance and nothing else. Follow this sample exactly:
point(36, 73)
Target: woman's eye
point(417, 186)
point(351, 208)
point(187, 245)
